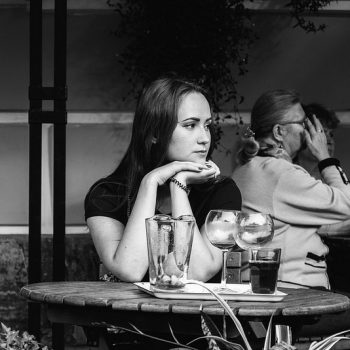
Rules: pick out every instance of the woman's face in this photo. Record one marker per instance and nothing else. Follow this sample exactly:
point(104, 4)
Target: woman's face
point(294, 139)
point(191, 138)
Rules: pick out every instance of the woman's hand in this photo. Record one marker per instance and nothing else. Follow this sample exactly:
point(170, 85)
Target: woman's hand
point(316, 140)
point(211, 164)
point(162, 174)
point(209, 172)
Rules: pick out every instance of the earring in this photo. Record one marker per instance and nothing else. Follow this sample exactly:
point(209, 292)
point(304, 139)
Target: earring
point(249, 132)
point(154, 140)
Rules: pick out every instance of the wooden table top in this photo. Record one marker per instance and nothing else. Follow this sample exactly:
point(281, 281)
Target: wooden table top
point(127, 297)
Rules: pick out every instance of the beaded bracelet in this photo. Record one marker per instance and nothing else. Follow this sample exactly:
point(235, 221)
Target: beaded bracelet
point(179, 184)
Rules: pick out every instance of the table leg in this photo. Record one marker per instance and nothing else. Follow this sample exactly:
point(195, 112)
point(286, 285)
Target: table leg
point(283, 333)
point(34, 311)
point(58, 336)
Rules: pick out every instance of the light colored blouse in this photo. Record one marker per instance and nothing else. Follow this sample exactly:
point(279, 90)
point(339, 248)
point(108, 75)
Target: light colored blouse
point(299, 205)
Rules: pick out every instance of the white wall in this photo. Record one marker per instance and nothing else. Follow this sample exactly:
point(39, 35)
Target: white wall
point(93, 150)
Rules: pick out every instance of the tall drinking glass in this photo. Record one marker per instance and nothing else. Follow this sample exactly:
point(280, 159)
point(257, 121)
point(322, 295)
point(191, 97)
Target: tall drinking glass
point(255, 230)
point(184, 229)
point(221, 227)
point(169, 243)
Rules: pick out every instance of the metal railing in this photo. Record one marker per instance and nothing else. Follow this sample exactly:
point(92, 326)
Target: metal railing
point(36, 117)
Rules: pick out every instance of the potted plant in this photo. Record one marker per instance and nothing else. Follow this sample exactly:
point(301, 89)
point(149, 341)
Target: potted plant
point(14, 340)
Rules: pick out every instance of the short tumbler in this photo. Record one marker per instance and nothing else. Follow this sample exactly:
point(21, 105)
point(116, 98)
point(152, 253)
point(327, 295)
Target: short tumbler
point(264, 264)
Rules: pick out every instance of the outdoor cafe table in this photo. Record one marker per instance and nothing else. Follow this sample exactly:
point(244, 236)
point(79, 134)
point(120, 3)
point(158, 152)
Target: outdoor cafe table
point(87, 303)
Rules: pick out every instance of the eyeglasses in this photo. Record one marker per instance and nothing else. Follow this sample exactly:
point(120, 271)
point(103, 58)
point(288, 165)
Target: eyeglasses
point(302, 122)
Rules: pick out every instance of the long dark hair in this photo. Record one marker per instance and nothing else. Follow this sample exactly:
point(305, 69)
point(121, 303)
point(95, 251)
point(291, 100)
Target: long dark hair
point(154, 123)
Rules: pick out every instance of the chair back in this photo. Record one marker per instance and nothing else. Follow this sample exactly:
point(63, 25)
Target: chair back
point(238, 267)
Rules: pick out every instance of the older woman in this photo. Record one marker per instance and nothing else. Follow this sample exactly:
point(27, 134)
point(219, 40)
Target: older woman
point(299, 204)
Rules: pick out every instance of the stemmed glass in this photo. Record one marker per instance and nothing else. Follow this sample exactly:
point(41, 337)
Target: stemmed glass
point(221, 227)
point(255, 230)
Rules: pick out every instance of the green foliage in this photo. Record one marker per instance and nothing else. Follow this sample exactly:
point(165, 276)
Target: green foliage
point(300, 9)
point(13, 340)
point(204, 40)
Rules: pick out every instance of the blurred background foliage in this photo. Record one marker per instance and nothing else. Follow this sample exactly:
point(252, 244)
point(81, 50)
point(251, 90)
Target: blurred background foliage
point(207, 41)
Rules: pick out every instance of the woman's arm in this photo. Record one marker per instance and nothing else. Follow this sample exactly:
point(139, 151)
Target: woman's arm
point(303, 200)
point(300, 199)
point(206, 260)
point(123, 250)
point(338, 229)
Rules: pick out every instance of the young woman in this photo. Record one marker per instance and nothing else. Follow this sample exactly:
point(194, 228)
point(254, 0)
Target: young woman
point(166, 169)
point(298, 203)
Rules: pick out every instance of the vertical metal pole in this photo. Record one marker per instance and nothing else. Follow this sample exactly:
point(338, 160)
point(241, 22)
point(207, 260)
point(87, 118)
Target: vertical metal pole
point(57, 117)
point(34, 240)
point(59, 190)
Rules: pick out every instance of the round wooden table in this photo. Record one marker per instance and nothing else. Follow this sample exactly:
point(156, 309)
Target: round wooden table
point(96, 303)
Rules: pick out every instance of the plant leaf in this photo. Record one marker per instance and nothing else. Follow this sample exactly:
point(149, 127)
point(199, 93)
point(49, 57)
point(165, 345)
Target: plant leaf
point(209, 323)
point(267, 343)
point(4, 328)
point(226, 343)
point(207, 332)
point(173, 334)
point(227, 309)
point(324, 344)
point(113, 328)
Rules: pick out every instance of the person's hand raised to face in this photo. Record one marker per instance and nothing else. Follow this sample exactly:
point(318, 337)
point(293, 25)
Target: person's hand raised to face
point(316, 139)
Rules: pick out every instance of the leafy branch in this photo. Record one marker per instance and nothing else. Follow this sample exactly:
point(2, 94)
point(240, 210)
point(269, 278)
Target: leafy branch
point(204, 40)
point(207, 41)
point(300, 9)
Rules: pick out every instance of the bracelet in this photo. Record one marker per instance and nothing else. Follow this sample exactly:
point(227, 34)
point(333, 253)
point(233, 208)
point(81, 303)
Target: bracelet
point(342, 175)
point(328, 162)
point(333, 161)
point(179, 184)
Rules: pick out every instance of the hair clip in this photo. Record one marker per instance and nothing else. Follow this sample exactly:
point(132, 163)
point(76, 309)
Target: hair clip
point(249, 132)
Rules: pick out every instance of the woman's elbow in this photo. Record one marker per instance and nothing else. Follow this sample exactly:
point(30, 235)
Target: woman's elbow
point(125, 276)
point(126, 273)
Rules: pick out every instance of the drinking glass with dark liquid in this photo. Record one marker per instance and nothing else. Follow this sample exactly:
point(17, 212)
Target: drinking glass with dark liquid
point(264, 264)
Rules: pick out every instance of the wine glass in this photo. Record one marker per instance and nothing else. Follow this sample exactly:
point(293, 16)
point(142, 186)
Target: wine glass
point(255, 230)
point(221, 227)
